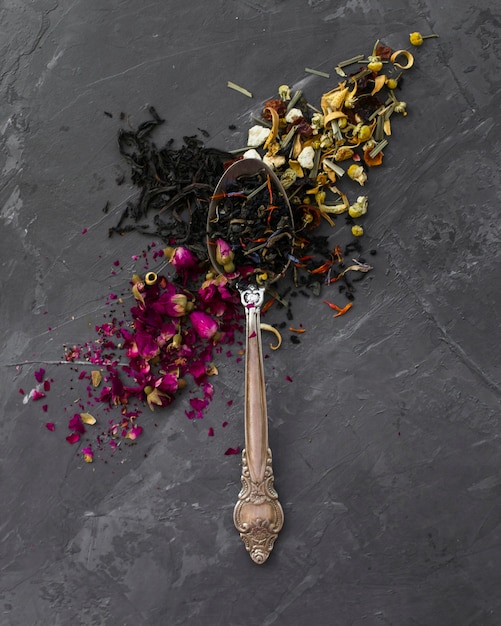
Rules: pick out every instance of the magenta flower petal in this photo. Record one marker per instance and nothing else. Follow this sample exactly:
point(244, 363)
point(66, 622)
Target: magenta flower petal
point(134, 432)
point(36, 395)
point(50, 426)
point(88, 454)
point(76, 424)
point(232, 451)
point(210, 432)
point(198, 370)
point(146, 344)
point(39, 374)
point(73, 438)
point(199, 403)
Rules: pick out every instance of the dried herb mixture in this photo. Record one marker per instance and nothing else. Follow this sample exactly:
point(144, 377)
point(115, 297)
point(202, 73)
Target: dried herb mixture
point(184, 315)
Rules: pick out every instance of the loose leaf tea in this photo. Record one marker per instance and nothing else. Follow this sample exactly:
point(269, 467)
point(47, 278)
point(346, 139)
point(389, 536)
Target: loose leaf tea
point(250, 226)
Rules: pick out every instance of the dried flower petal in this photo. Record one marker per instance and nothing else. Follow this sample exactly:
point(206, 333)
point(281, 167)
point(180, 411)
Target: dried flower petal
point(87, 418)
point(134, 433)
point(39, 375)
point(50, 426)
point(36, 395)
point(96, 378)
point(88, 454)
point(277, 334)
point(407, 55)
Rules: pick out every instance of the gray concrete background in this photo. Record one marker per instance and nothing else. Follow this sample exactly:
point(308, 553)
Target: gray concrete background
point(386, 444)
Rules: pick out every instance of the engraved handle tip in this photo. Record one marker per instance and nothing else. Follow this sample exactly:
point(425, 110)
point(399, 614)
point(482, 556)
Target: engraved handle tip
point(258, 515)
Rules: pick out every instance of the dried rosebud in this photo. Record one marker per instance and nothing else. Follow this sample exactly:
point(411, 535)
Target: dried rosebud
point(179, 305)
point(205, 326)
point(181, 258)
point(357, 231)
point(225, 255)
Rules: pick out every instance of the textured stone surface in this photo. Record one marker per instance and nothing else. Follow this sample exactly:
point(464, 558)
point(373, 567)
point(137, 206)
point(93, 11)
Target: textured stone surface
point(386, 444)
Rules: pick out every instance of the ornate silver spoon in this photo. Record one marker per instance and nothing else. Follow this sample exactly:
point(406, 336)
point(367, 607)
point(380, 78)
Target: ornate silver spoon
point(258, 515)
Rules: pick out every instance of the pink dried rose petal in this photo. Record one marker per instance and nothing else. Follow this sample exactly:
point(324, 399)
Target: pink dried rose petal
point(50, 426)
point(76, 424)
point(210, 432)
point(134, 432)
point(73, 438)
point(45, 408)
point(39, 374)
point(36, 395)
point(46, 385)
point(232, 451)
point(199, 404)
point(88, 454)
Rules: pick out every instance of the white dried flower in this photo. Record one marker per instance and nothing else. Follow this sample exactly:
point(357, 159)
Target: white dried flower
point(257, 136)
point(274, 161)
point(293, 115)
point(306, 158)
point(251, 154)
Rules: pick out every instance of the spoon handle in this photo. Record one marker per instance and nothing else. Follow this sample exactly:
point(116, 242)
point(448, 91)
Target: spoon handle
point(258, 515)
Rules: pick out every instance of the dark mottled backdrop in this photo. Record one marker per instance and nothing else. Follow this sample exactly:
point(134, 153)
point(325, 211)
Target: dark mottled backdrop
point(386, 443)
